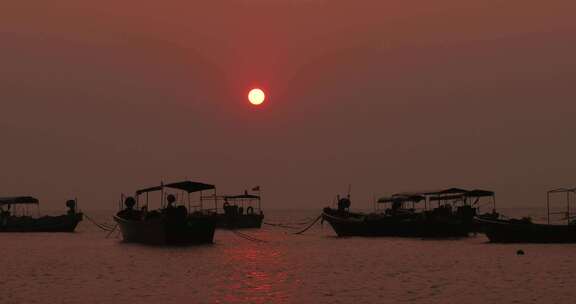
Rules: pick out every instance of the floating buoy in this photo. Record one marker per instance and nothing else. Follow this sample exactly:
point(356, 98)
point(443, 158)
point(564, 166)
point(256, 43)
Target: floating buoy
point(520, 252)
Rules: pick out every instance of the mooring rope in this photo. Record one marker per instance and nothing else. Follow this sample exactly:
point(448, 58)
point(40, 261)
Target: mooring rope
point(248, 237)
point(281, 225)
point(103, 226)
point(111, 231)
point(291, 225)
point(309, 226)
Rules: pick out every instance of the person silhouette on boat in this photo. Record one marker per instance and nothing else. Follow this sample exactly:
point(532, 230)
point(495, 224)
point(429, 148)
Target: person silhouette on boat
point(171, 199)
point(4, 215)
point(71, 204)
point(344, 203)
point(175, 213)
point(128, 212)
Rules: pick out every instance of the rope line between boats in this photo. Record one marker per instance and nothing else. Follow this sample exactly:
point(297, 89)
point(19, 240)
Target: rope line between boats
point(280, 225)
point(291, 225)
point(111, 231)
point(309, 226)
point(248, 237)
point(102, 226)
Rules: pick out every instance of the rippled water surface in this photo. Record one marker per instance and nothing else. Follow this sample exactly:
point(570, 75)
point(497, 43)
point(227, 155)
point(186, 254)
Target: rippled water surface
point(317, 267)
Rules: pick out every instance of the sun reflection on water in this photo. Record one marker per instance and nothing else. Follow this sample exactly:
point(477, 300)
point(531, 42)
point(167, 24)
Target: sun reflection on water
point(257, 274)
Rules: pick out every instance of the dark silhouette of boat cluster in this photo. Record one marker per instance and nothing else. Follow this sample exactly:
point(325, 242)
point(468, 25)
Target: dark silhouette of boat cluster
point(188, 215)
point(185, 220)
point(452, 212)
point(179, 220)
point(452, 216)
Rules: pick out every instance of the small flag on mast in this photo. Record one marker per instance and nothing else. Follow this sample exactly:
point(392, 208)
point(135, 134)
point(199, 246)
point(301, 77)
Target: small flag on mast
point(257, 188)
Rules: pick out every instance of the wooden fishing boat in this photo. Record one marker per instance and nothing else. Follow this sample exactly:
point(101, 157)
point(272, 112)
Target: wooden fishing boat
point(173, 223)
point(525, 231)
point(241, 211)
point(452, 217)
point(12, 222)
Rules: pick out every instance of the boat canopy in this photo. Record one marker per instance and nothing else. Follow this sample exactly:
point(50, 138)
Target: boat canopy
point(446, 191)
point(242, 196)
point(479, 193)
point(447, 197)
point(18, 200)
point(188, 186)
point(438, 195)
point(401, 198)
point(562, 190)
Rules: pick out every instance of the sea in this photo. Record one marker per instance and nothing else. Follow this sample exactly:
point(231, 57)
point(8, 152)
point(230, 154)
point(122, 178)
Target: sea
point(274, 265)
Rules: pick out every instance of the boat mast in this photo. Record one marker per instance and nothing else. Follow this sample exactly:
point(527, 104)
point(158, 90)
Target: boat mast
point(215, 201)
point(568, 207)
point(548, 206)
point(162, 194)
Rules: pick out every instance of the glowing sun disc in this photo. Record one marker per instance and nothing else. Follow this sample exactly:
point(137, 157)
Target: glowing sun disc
point(256, 96)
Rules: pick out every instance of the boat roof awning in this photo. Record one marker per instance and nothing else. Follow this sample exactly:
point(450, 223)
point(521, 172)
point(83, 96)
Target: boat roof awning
point(447, 191)
point(479, 193)
point(13, 200)
point(401, 198)
point(188, 186)
point(437, 195)
point(562, 190)
point(242, 196)
point(447, 197)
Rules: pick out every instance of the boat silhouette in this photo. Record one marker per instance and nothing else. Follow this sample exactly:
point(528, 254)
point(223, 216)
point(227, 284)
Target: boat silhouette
point(11, 221)
point(241, 211)
point(172, 223)
point(523, 230)
point(452, 217)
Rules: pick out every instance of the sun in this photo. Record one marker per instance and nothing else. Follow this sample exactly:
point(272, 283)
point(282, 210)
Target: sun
point(256, 96)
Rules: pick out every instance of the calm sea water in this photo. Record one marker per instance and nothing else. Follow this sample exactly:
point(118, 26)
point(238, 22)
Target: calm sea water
point(317, 267)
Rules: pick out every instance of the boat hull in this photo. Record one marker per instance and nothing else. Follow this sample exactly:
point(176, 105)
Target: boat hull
point(240, 221)
point(160, 231)
point(355, 224)
point(516, 231)
point(62, 223)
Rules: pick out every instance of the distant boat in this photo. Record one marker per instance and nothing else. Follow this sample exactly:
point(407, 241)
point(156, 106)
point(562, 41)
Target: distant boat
point(452, 217)
point(173, 223)
point(10, 222)
point(241, 211)
point(523, 230)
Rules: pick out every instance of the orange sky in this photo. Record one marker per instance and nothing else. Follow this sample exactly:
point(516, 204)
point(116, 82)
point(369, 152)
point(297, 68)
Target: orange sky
point(385, 95)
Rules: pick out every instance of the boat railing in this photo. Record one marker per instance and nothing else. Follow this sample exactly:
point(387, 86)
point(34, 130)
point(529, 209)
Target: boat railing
point(185, 193)
point(569, 192)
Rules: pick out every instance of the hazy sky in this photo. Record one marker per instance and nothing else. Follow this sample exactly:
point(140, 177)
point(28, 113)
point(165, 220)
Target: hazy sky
point(103, 97)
